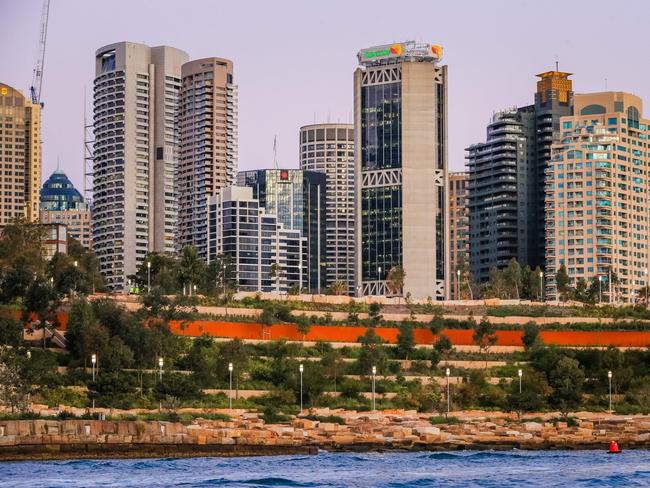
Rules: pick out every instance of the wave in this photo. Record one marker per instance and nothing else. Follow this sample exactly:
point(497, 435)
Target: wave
point(270, 481)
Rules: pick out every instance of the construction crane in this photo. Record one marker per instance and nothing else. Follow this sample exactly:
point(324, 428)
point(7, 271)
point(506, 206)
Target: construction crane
point(37, 80)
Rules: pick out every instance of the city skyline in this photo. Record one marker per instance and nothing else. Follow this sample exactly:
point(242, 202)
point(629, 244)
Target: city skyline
point(305, 70)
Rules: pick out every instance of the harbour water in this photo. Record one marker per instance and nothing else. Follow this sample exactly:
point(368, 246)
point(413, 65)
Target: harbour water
point(394, 470)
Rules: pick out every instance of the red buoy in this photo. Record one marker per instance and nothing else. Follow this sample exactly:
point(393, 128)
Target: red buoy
point(613, 448)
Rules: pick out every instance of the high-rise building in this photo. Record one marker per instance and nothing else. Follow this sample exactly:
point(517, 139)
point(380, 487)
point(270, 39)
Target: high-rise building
point(208, 143)
point(507, 199)
point(553, 99)
point(20, 156)
point(238, 226)
point(501, 174)
point(597, 186)
point(297, 198)
point(61, 203)
point(458, 221)
point(400, 110)
point(136, 98)
point(329, 149)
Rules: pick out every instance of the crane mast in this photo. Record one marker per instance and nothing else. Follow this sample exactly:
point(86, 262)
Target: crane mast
point(37, 80)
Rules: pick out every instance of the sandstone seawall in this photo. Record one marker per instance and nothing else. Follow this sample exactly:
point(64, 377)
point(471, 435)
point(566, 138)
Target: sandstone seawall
point(247, 435)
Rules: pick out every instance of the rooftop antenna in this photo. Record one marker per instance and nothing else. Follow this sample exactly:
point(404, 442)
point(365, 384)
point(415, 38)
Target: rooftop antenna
point(58, 162)
point(605, 84)
point(557, 64)
point(89, 156)
point(275, 152)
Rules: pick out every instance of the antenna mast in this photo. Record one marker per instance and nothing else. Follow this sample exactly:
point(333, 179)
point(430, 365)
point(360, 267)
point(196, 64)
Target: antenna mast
point(37, 80)
point(88, 157)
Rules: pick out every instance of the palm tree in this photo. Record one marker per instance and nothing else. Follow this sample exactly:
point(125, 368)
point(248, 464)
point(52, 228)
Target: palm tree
point(395, 280)
point(338, 288)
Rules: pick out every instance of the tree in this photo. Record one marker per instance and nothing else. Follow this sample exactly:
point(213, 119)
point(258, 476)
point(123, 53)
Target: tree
point(80, 318)
point(338, 288)
point(513, 277)
point(224, 271)
point(332, 364)
point(191, 269)
point(530, 337)
point(373, 353)
point(534, 391)
point(395, 280)
point(237, 353)
point(21, 258)
point(11, 332)
point(14, 390)
point(497, 285)
point(162, 274)
point(485, 336)
point(442, 348)
point(374, 313)
point(354, 309)
point(562, 282)
point(276, 273)
point(567, 379)
point(405, 340)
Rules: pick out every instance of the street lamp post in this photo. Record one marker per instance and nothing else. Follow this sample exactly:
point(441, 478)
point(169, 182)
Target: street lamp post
point(609, 378)
point(541, 286)
point(160, 365)
point(520, 373)
point(447, 373)
point(148, 276)
point(374, 373)
point(301, 368)
point(76, 265)
point(93, 360)
point(457, 284)
point(609, 284)
point(230, 393)
point(645, 272)
point(600, 289)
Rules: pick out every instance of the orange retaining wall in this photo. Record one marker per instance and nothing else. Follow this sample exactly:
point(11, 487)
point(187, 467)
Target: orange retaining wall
point(459, 337)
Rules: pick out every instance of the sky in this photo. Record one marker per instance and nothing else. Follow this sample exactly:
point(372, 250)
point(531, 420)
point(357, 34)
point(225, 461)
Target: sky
point(294, 60)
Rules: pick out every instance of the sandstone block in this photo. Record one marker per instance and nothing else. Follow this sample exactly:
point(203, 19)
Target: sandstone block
point(532, 426)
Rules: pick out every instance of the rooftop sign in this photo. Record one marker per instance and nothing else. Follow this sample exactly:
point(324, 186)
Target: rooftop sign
point(409, 49)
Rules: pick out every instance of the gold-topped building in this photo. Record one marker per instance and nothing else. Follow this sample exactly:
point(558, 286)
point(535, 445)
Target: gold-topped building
point(20, 156)
point(555, 82)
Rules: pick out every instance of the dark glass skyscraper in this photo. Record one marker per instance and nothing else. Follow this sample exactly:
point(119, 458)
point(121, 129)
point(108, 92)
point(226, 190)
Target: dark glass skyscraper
point(297, 198)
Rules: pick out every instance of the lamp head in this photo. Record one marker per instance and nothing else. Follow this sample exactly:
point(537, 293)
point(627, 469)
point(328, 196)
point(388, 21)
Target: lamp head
point(520, 373)
point(93, 358)
point(161, 362)
point(301, 368)
point(447, 372)
point(230, 367)
point(609, 374)
point(374, 370)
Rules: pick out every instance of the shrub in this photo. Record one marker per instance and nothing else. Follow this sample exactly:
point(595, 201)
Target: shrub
point(441, 420)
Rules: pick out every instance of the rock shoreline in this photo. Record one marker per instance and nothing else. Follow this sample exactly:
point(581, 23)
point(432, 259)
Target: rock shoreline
point(247, 435)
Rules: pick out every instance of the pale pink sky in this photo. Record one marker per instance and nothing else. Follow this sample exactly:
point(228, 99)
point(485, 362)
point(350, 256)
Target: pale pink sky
point(294, 59)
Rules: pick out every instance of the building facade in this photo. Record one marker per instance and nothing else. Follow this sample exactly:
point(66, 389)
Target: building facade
point(598, 219)
point(238, 226)
point(329, 149)
point(61, 203)
point(208, 143)
point(297, 199)
point(501, 174)
point(136, 96)
point(507, 178)
point(20, 156)
point(458, 221)
point(400, 110)
point(55, 240)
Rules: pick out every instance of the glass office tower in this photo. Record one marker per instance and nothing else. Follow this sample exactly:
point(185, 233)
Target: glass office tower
point(401, 169)
point(297, 198)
